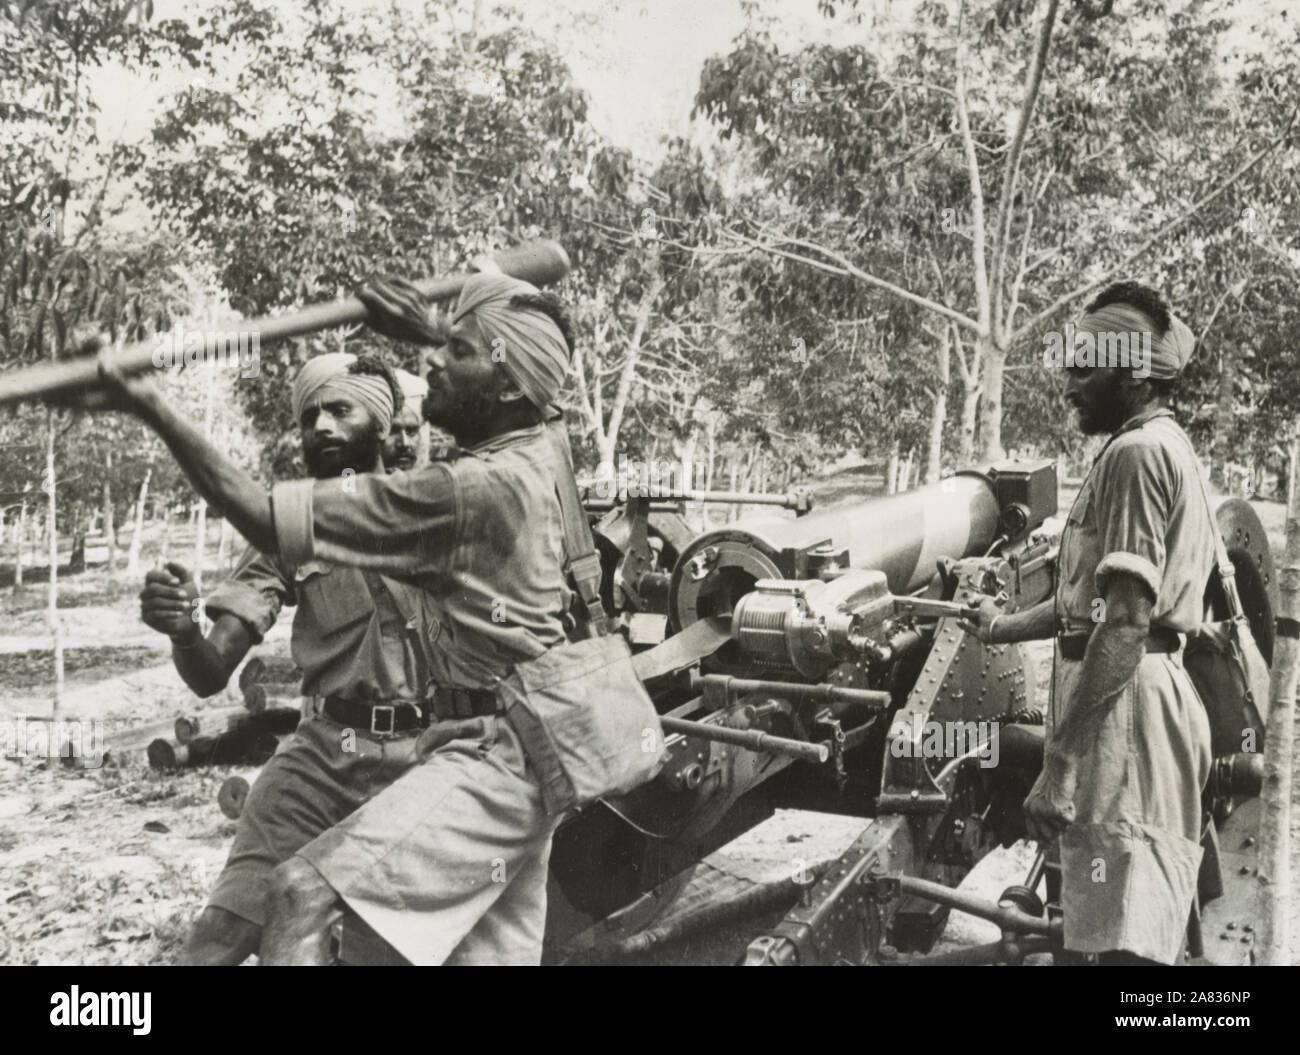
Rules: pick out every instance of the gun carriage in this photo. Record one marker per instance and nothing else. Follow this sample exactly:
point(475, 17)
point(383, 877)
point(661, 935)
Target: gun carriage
point(812, 676)
point(829, 781)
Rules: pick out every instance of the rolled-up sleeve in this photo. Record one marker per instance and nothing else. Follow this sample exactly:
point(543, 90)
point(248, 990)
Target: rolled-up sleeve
point(1135, 500)
point(401, 523)
point(254, 594)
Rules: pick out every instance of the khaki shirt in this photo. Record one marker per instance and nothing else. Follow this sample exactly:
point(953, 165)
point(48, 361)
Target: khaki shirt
point(349, 637)
point(1141, 504)
point(480, 534)
point(1130, 860)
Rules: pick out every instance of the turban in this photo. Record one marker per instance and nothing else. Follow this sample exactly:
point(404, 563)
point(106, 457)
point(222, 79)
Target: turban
point(329, 372)
point(1170, 351)
point(533, 351)
point(414, 389)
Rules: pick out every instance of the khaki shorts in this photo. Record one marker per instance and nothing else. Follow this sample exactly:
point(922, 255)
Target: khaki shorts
point(310, 785)
point(1130, 861)
point(449, 863)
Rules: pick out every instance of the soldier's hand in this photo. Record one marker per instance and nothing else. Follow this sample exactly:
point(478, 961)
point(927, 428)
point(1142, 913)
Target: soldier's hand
point(398, 310)
point(167, 603)
point(983, 610)
point(1049, 809)
point(111, 390)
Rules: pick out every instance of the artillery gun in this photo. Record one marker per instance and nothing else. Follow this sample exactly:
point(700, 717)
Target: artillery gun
point(813, 679)
point(829, 641)
point(841, 754)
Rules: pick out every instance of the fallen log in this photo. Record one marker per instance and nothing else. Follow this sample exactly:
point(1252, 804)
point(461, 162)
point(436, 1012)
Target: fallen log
point(251, 740)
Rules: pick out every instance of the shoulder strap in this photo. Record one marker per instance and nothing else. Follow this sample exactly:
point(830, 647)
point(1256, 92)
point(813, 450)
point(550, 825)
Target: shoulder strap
point(581, 561)
point(406, 602)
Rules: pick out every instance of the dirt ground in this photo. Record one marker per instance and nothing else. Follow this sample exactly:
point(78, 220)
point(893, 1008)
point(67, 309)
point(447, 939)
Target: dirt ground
point(110, 865)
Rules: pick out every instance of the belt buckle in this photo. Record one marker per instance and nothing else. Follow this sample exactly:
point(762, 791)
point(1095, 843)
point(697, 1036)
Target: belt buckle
point(392, 719)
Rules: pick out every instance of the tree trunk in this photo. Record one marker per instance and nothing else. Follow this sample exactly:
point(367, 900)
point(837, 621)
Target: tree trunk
point(201, 520)
point(166, 533)
point(891, 469)
point(1221, 449)
point(1293, 451)
point(938, 416)
point(137, 536)
point(18, 547)
point(994, 361)
point(609, 439)
point(77, 561)
point(53, 596)
point(200, 537)
point(223, 546)
point(966, 443)
point(110, 527)
point(1274, 873)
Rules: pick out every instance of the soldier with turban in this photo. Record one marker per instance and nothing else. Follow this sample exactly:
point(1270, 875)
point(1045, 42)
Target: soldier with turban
point(1128, 742)
point(449, 862)
point(350, 638)
point(402, 445)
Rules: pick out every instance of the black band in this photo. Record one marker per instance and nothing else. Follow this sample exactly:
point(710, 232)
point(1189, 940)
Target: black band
point(463, 703)
point(1159, 639)
point(381, 719)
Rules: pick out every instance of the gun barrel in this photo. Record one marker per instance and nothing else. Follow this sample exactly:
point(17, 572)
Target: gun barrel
point(540, 263)
point(821, 693)
point(751, 739)
point(900, 535)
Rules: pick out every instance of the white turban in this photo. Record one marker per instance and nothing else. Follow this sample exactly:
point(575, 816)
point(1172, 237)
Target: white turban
point(414, 388)
point(533, 350)
point(1170, 351)
point(330, 371)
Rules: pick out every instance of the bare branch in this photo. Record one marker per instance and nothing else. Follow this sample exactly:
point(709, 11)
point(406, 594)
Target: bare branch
point(976, 189)
point(1011, 170)
point(843, 267)
point(1168, 228)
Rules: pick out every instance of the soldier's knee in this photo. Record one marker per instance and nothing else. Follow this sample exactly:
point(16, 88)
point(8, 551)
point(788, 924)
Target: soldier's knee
point(297, 889)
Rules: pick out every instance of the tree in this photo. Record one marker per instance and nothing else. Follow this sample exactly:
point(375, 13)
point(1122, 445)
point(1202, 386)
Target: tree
point(877, 156)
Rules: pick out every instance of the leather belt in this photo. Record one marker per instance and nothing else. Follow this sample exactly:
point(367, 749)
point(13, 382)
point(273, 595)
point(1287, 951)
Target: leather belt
point(448, 702)
point(377, 719)
point(1159, 639)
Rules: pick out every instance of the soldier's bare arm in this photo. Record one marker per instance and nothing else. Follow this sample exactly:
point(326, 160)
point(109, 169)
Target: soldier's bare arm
point(1033, 624)
point(206, 663)
point(169, 603)
point(1114, 652)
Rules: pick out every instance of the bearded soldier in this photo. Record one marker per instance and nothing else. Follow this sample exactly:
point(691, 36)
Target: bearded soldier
point(449, 862)
point(402, 444)
point(1128, 745)
point(350, 638)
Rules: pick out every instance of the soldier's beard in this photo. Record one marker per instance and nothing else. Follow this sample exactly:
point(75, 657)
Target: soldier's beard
point(1104, 415)
point(400, 459)
point(466, 417)
point(360, 454)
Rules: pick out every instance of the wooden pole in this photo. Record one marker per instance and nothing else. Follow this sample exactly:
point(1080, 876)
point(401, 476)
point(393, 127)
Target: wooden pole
point(1274, 878)
point(540, 263)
